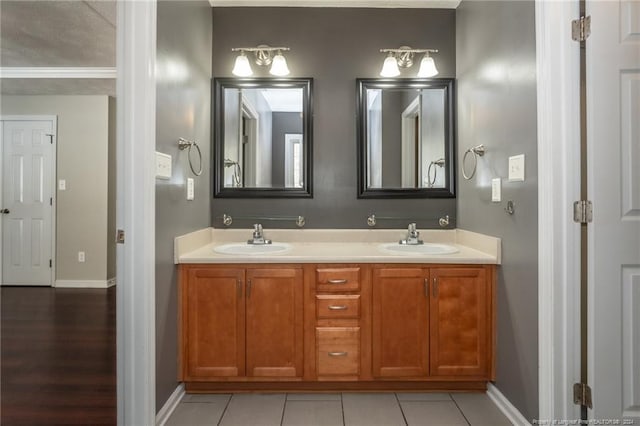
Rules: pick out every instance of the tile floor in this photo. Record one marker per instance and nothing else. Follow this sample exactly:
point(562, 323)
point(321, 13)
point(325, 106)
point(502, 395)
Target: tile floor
point(331, 409)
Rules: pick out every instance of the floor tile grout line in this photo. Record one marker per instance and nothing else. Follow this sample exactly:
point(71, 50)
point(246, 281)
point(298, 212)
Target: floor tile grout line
point(225, 409)
point(344, 422)
point(459, 409)
point(284, 408)
point(401, 410)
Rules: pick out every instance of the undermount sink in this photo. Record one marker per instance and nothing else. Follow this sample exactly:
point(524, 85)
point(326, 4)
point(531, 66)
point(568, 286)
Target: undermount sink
point(252, 249)
point(426, 248)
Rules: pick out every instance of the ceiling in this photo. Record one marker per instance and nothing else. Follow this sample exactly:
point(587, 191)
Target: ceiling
point(76, 33)
point(57, 34)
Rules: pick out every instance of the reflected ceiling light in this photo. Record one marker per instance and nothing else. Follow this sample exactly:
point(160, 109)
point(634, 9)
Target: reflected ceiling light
point(402, 57)
point(263, 56)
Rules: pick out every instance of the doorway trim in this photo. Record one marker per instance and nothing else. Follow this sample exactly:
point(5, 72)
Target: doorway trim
point(558, 89)
point(54, 162)
point(135, 211)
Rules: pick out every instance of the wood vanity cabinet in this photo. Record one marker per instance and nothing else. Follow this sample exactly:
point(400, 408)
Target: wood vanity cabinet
point(432, 322)
point(336, 326)
point(241, 323)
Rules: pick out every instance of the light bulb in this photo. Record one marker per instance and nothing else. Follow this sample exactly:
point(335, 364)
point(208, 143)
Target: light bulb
point(242, 67)
point(390, 67)
point(279, 65)
point(427, 67)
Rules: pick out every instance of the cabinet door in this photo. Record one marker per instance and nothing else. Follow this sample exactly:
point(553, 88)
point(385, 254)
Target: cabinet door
point(215, 315)
point(274, 322)
point(400, 322)
point(459, 322)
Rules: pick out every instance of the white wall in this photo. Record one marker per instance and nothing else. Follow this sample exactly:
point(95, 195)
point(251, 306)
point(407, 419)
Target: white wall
point(82, 210)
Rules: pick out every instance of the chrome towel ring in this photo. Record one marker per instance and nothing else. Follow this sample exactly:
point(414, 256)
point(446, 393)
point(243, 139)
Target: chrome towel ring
point(184, 144)
point(477, 151)
point(439, 162)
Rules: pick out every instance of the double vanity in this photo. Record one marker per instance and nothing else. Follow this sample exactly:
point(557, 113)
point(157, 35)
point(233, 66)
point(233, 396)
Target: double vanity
point(341, 309)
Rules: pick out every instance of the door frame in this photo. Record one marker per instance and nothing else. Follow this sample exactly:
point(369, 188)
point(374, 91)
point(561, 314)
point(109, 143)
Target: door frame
point(54, 162)
point(408, 138)
point(558, 104)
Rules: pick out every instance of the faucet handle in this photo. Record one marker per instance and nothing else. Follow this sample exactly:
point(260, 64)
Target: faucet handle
point(257, 227)
point(412, 227)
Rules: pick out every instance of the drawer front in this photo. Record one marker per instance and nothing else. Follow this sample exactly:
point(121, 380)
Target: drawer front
point(338, 351)
point(335, 307)
point(338, 279)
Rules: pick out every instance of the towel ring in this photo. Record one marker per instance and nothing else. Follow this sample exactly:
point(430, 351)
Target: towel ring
point(184, 144)
point(477, 151)
point(440, 163)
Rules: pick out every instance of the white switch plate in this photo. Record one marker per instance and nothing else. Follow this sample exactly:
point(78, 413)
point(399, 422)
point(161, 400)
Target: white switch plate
point(496, 190)
point(163, 166)
point(190, 189)
point(62, 185)
point(81, 257)
point(516, 168)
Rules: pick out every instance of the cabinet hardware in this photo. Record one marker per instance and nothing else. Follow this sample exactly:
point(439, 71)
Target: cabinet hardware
point(337, 353)
point(435, 287)
point(239, 288)
point(337, 281)
point(426, 287)
point(337, 307)
point(248, 289)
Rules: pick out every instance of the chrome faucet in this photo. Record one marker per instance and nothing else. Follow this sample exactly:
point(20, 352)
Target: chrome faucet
point(258, 237)
point(413, 236)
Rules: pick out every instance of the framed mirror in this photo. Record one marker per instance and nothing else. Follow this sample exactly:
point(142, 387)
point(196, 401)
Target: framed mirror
point(262, 137)
point(406, 138)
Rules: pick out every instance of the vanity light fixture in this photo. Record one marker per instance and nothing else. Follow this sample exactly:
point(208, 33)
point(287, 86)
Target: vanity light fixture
point(264, 56)
point(403, 57)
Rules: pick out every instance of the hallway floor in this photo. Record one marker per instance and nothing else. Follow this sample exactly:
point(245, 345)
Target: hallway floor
point(58, 356)
point(349, 409)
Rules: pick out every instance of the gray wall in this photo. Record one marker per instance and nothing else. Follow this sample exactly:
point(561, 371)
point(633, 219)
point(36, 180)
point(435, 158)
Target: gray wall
point(392, 103)
point(334, 46)
point(183, 110)
point(283, 123)
point(82, 210)
point(497, 106)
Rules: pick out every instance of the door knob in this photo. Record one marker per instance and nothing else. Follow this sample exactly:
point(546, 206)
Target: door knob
point(4, 211)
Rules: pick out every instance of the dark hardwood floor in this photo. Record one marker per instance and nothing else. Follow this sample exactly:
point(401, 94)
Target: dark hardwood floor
point(58, 356)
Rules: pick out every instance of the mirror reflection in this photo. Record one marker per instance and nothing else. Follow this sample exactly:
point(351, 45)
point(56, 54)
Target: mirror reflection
point(405, 137)
point(263, 138)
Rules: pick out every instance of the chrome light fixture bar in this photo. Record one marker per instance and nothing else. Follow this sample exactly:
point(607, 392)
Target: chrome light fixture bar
point(264, 56)
point(403, 57)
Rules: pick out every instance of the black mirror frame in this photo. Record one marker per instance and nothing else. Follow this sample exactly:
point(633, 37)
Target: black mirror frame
point(221, 83)
point(448, 84)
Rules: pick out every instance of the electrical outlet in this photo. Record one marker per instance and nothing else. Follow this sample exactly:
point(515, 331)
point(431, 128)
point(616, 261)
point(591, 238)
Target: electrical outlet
point(81, 257)
point(190, 189)
point(62, 185)
point(496, 190)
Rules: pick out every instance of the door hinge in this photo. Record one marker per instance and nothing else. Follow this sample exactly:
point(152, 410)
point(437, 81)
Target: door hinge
point(582, 395)
point(583, 211)
point(50, 263)
point(51, 201)
point(581, 28)
point(120, 236)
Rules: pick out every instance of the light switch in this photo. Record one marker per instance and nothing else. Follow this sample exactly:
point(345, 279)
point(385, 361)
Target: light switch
point(163, 166)
point(516, 168)
point(81, 257)
point(496, 190)
point(62, 185)
point(190, 189)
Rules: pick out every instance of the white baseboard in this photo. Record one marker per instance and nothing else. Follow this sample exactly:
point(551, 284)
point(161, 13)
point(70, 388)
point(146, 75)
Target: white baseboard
point(506, 406)
point(169, 407)
point(85, 283)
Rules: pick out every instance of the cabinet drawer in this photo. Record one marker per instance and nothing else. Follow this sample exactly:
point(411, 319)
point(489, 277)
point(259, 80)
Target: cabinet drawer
point(338, 351)
point(338, 279)
point(332, 307)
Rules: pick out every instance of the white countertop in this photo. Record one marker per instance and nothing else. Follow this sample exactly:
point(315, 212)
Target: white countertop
point(337, 246)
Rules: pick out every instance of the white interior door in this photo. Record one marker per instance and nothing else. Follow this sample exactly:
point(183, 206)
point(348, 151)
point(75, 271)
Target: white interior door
point(27, 222)
point(613, 121)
